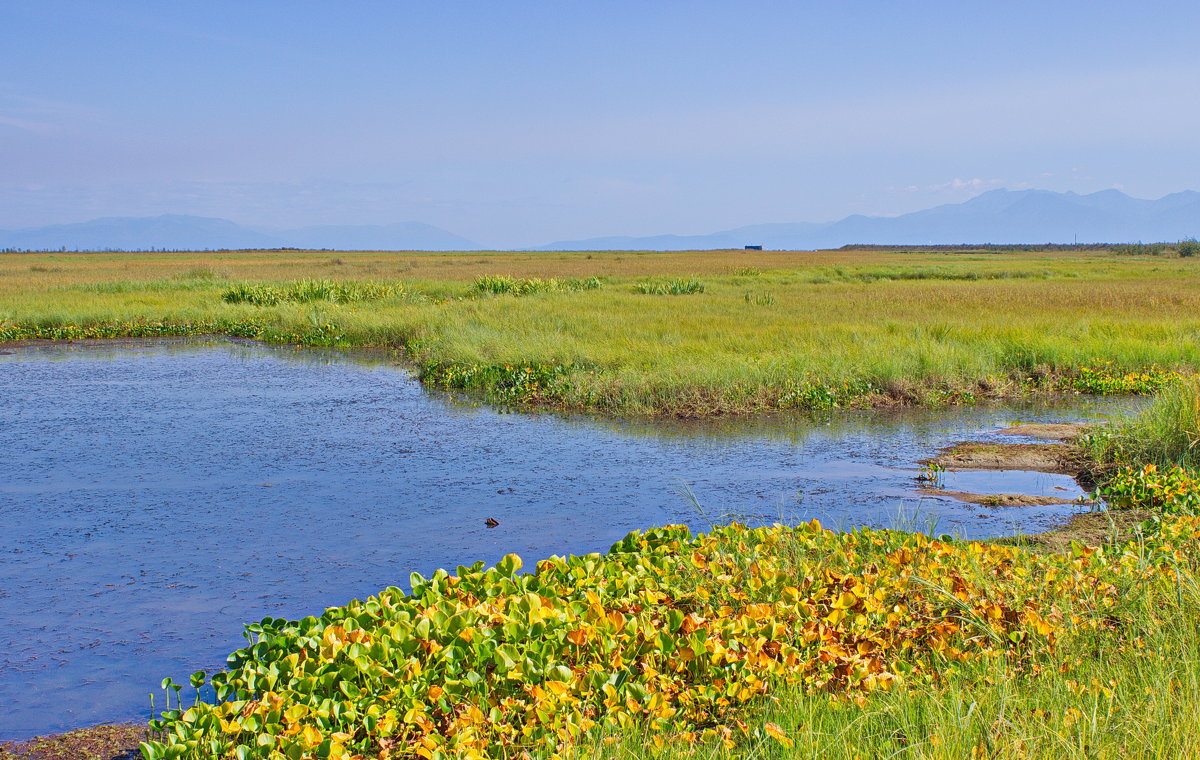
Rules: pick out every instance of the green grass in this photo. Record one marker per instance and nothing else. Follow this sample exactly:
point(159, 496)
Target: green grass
point(1166, 433)
point(503, 285)
point(309, 291)
point(673, 287)
point(760, 331)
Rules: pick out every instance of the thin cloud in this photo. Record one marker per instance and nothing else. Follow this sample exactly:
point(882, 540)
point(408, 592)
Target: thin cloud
point(37, 115)
point(974, 185)
point(25, 125)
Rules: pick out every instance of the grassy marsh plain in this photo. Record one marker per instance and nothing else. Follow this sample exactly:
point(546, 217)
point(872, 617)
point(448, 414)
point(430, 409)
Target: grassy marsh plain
point(750, 331)
point(773, 643)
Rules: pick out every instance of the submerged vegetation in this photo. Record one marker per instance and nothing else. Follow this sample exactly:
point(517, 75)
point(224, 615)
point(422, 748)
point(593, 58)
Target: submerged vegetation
point(106, 742)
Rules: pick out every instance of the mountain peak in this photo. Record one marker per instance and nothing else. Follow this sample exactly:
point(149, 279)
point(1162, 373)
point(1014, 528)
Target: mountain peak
point(1001, 216)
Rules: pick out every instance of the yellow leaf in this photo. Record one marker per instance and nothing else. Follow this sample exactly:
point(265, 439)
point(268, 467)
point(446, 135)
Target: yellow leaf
point(311, 736)
point(845, 601)
point(778, 734)
point(578, 637)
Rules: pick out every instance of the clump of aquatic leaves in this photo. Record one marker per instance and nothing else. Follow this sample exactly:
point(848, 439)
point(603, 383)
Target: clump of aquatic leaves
point(1103, 378)
point(308, 291)
point(319, 333)
point(932, 475)
point(673, 287)
point(677, 635)
point(501, 285)
point(1171, 490)
point(810, 392)
point(504, 383)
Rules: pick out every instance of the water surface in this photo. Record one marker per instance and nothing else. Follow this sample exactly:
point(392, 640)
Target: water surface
point(157, 496)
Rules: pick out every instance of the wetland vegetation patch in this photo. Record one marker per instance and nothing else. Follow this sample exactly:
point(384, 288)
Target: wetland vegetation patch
point(867, 327)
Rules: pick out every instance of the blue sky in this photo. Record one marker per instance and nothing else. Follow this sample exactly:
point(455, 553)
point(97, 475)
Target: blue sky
point(518, 123)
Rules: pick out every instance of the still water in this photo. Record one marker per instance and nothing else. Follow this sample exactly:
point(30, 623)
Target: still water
point(154, 497)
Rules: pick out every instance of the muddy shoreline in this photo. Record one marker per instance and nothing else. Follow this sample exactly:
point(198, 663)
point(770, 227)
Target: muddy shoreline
point(1093, 526)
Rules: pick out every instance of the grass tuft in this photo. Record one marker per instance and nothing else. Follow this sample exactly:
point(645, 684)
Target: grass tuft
point(307, 291)
point(502, 285)
point(673, 287)
point(1166, 433)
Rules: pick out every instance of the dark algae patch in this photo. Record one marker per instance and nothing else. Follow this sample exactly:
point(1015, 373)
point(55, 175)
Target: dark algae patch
point(106, 742)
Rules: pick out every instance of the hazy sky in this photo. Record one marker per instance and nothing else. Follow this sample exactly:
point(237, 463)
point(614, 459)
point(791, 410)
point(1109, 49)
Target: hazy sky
point(518, 123)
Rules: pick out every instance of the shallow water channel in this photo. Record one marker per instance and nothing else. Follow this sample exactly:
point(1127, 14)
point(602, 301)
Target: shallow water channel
point(154, 497)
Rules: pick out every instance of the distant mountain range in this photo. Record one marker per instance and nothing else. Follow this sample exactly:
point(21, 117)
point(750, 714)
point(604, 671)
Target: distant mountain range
point(176, 232)
point(999, 216)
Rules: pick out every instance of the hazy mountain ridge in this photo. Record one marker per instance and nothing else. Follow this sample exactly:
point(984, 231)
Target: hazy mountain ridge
point(998, 216)
point(181, 232)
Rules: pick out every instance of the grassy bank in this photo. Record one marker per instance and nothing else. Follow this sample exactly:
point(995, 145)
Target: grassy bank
point(773, 642)
point(665, 333)
point(1166, 434)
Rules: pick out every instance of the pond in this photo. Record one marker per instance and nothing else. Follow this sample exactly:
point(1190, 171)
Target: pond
point(156, 496)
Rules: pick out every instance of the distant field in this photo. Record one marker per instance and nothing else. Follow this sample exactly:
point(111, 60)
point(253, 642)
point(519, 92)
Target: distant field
point(748, 331)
